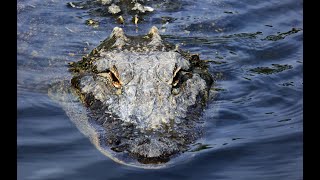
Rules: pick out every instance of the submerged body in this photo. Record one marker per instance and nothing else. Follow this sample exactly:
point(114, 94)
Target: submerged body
point(114, 7)
point(125, 10)
point(144, 96)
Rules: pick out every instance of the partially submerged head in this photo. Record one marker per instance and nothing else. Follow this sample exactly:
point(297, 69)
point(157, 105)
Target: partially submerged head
point(147, 94)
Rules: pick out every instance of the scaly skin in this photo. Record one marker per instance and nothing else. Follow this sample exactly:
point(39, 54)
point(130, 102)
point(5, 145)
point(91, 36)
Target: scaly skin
point(145, 95)
point(125, 11)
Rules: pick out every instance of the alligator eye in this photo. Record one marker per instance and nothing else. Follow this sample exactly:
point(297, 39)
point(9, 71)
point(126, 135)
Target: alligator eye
point(113, 75)
point(176, 76)
point(179, 77)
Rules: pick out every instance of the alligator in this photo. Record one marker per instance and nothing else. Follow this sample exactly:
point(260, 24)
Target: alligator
point(143, 96)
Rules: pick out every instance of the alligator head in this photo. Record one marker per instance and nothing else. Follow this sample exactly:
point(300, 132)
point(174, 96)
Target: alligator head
point(146, 94)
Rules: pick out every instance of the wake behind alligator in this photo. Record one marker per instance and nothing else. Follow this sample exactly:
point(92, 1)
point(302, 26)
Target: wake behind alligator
point(138, 98)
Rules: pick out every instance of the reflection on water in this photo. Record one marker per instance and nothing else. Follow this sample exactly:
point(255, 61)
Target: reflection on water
point(253, 127)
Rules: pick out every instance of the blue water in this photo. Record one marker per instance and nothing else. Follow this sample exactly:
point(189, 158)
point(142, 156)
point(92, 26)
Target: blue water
point(253, 128)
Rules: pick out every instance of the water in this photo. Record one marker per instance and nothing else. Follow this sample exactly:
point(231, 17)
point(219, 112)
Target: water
point(253, 128)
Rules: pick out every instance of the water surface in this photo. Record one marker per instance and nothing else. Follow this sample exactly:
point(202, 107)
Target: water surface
point(253, 128)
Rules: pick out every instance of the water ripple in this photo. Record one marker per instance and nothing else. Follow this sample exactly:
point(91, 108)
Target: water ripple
point(253, 127)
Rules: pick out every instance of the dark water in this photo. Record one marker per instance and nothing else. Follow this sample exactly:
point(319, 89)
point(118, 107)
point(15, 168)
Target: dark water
point(253, 128)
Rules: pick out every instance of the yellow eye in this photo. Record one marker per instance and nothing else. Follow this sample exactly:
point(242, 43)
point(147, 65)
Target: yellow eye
point(176, 75)
point(112, 75)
